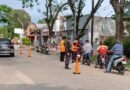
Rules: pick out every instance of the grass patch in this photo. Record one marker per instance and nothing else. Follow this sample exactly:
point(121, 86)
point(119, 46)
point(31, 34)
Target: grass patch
point(94, 57)
point(128, 63)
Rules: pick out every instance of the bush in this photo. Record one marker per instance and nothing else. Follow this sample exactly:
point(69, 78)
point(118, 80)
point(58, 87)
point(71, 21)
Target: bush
point(126, 43)
point(26, 41)
point(109, 42)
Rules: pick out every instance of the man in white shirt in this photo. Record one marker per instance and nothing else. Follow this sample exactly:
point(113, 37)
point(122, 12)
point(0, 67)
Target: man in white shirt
point(87, 51)
point(87, 47)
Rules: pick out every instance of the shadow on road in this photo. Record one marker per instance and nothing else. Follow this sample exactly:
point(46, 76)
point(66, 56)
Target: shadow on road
point(33, 87)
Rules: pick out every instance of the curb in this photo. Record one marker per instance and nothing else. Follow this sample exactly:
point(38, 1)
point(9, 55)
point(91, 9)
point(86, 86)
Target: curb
point(127, 69)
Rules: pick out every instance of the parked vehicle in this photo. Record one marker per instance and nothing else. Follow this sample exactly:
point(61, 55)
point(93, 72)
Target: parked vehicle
point(6, 47)
point(43, 49)
point(119, 65)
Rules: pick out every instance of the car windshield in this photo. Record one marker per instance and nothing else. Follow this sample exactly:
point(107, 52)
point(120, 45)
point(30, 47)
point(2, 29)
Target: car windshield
point(5, 42)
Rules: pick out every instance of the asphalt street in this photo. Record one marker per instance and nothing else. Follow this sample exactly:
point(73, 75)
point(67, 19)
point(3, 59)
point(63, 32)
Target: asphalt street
point(45, 72)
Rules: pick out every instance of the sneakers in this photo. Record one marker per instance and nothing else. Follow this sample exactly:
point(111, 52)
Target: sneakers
point(67, 68)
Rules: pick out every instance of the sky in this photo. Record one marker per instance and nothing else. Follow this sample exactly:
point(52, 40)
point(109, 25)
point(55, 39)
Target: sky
point(105, 10)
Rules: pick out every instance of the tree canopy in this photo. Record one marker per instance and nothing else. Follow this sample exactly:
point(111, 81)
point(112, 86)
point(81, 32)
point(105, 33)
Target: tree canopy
point(12, 18)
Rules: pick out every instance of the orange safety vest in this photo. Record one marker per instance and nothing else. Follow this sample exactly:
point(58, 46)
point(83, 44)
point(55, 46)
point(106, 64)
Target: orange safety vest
point(74, 48)
point(62, 46)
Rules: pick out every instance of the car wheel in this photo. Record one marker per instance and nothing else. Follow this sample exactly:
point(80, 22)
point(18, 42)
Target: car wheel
point(12, 54)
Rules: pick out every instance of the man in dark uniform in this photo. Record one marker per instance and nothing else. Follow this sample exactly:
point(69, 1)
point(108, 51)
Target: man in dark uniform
point(68, 53)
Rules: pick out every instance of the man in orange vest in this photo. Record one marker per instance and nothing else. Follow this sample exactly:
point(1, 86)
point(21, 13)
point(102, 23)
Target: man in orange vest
point(74, 49)
point(62, 49)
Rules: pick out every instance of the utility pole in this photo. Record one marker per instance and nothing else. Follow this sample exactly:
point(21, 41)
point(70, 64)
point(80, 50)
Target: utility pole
point(92, 24)
point(75, 19)
point(75, 25)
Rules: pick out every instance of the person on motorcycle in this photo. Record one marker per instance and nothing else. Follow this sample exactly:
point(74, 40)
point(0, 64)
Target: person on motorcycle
point(102, 50)
point(87, 49)
point(117, 51)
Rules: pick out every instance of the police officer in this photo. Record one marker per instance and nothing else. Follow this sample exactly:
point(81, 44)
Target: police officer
point(62, 49)
point(68, 53)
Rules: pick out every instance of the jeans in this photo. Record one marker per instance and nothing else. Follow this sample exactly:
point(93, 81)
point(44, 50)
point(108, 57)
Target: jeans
point(87, 56)
point(67, 59)
point(111, 61)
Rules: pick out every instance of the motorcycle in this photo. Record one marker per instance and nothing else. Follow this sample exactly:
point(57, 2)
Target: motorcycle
point(119, 65)
point(38, 49)
point(44, 49)
point(86, 59)
point(102, 61)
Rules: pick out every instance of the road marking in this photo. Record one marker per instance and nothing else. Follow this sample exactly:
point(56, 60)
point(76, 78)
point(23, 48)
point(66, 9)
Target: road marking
point(24, 78)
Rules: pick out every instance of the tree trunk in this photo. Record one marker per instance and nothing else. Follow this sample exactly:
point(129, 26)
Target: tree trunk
point(119, 26)
point(118, 6)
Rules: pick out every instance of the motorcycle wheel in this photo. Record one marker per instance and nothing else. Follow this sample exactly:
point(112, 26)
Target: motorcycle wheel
point(88, 62)
point(121, 69)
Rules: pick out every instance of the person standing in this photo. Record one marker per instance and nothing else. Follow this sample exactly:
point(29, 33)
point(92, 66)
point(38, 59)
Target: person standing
point(68, 53)
point(62, 49)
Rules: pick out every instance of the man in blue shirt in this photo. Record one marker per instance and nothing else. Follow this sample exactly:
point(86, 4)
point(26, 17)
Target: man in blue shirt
point(117, 51)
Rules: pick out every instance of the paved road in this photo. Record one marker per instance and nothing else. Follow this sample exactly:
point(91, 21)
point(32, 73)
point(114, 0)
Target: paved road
point(41, 72)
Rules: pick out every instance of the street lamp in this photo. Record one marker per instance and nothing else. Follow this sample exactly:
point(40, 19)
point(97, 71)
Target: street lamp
point(21, 35)
point(20, 22)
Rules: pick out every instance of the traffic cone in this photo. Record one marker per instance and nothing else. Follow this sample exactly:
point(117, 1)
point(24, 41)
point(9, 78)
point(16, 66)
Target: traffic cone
point(29, 52)
point(20, 51)
point(76, 67)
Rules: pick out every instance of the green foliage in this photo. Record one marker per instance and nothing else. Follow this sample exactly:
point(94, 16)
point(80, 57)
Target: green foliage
point(26, 41)
point(109, 42)
point(12, 18)
point(40, 21)
point(128, 64)
point(126, 12)
point(4, 32)
point(126, 44)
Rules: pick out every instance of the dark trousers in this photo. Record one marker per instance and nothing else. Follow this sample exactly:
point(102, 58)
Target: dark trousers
point(74, 55)
point(67, 59)
point(62, 55)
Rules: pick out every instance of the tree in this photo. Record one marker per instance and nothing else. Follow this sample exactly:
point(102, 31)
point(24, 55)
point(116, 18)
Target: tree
point(10, 19)
point(4, 11)
point(41, 21)
point(80, 6)
point(52, 10)
point(53, 7)
point(118, 6)
point(127, 15)
point(21, 17)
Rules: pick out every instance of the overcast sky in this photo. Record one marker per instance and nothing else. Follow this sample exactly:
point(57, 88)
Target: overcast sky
point(105, 9)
